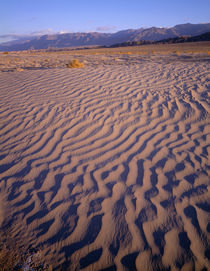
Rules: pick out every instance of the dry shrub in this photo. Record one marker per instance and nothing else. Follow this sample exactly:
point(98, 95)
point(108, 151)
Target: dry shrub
point(178, 53)
point(5, 53)
point(124, 53)
point(19, 69)
point(141, 53)
point(75, 64)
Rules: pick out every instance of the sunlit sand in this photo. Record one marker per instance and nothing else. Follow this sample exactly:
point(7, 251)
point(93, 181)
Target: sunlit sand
point(105, 166)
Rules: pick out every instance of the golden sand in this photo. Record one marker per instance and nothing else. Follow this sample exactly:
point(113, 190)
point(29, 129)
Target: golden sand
point(105, 166)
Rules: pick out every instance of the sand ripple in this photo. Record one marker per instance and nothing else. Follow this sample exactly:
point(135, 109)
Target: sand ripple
point(108, 167)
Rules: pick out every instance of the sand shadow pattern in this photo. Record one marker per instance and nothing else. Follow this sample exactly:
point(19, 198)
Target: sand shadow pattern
point(108, 172)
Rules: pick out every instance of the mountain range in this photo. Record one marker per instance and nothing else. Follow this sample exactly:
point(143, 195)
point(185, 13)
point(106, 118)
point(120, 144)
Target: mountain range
point(105, 39)
point(180, 39)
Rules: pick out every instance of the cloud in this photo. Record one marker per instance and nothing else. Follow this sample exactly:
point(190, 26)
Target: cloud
point(105, 28)
point(36, 33)
point(9, 37)
point(48, 31)
point(63, 32)
point(32, 19)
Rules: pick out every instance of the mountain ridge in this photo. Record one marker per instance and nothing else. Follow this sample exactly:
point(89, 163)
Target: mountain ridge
point(180, 39)
point(105, 39)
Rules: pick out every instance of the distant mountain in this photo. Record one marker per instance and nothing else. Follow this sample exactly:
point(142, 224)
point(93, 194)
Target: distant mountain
point(202, 37)
point(106, 39)
point(181, 39)
point(191, 29)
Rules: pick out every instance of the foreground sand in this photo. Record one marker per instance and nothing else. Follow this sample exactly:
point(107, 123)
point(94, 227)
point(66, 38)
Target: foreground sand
point(106, 167)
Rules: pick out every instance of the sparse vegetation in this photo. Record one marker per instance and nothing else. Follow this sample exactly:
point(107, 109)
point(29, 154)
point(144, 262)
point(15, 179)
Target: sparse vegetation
point(20, 70)
point(6, 53)
point(75, 63)
point(18, 61)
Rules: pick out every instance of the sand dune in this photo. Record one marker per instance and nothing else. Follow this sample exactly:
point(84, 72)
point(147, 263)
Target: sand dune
point(107, 167)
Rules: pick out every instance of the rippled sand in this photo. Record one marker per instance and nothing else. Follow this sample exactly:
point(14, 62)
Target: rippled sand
point(107, 167)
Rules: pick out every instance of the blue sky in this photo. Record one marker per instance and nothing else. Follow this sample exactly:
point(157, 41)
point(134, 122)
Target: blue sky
point(18, 17)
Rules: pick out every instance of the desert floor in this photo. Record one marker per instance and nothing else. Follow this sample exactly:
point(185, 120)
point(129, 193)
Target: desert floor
point(105, 167)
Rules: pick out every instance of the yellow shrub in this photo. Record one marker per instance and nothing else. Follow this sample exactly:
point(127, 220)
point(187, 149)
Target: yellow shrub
point(19, 70)
point(75, 64)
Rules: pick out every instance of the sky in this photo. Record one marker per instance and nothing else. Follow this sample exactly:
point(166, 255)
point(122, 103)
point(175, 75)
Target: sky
point(31, 17)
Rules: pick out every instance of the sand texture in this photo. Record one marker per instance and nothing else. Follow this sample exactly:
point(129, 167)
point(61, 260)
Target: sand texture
point(107, 167)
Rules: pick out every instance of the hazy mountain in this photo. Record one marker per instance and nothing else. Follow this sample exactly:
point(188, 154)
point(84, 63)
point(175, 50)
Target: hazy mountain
point(191, 29)
point(95, 38)
point(180, 39)
point(202, 37)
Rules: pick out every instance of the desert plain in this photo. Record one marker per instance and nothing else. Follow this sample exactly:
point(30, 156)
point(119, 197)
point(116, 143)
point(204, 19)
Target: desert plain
point(105, 167)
